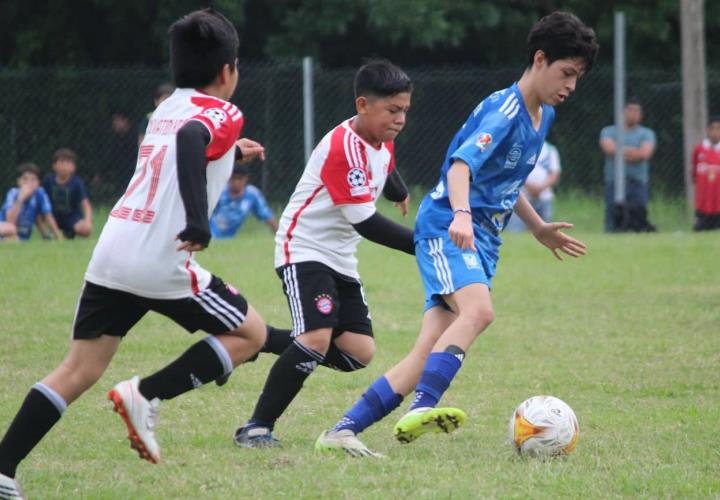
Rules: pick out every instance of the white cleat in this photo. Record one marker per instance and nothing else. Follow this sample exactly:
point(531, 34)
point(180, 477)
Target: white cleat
point(140, 416)
point(9, 489)
point(344, 440)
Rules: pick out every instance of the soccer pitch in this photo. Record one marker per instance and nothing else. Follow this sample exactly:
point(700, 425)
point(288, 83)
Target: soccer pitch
point(629, 336)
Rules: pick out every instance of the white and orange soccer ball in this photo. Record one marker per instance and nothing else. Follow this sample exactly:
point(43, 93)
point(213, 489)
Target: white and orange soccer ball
point(544, 426)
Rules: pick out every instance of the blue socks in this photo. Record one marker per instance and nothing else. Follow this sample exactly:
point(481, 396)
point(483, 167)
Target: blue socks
point(373, 406)
point(440, 369)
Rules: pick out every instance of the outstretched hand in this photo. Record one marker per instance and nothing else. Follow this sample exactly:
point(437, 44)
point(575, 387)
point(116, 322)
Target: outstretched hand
point(250, 150)
point(549, 234)
point(403, 205)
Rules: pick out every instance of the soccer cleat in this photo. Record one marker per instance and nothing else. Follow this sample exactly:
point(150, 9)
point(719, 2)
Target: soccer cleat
point(419, 421)
point(140, 416)
point(254, 436)
point(9, 489)
point(344, 440)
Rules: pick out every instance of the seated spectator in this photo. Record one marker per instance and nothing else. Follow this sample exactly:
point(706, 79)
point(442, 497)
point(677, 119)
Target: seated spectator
point(70, 204)
point(706, 175)
point(25, 204)
point(237, 201)
point(538, 187)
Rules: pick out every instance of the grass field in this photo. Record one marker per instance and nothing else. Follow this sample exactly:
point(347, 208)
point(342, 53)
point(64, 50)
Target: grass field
point(629, 336)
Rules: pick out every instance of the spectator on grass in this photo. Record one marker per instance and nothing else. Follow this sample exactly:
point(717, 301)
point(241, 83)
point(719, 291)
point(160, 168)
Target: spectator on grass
point(538, 187)
point(70, 204)
point(237, 201)
point(26, 204)
point(706, 176)
point(638, 148)
point(162, 92)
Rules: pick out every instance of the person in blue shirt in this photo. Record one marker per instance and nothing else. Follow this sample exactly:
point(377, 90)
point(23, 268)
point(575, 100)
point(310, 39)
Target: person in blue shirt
point(457, 233)
point(237, 201)
point(26, 204)
point(70, 204)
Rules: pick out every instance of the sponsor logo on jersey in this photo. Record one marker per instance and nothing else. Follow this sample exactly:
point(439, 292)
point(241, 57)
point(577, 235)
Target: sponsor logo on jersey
point(216, 115)
point(471, 261)
point(483, 141)
point(532, 159)
point(324, 303)
point(513, 156)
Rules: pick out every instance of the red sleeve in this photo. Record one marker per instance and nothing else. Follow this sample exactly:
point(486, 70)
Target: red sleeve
point(344, 172)
point(695, 154)
point(390, 145)
point(224, 121)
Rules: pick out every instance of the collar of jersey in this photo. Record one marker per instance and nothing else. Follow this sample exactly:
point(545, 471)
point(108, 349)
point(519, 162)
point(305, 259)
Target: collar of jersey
point(346, 124)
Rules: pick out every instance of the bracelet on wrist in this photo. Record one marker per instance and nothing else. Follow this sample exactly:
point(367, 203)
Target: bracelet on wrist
point(462, 210)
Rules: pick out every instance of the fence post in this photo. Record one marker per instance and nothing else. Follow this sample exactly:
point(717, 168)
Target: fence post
point(308, 107)
point(619, 87)
point(694, 85)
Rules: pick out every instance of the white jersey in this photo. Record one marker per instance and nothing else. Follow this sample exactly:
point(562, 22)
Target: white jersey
point(137, 250)
point(548, 163)
point(338, 188)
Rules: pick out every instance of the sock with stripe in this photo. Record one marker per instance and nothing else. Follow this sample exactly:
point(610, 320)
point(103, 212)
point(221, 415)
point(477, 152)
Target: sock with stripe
point(41, 409)
point(203, 362)
point(284, 381)
point(379, 400)
point(278, 339)
point(440, 369)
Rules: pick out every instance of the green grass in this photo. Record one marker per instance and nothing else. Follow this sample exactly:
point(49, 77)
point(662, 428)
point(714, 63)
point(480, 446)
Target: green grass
point(628, 336)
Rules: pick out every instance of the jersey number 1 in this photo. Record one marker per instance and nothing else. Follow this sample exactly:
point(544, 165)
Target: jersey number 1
point(144, 215)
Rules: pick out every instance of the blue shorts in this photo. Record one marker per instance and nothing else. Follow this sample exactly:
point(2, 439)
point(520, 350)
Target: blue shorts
point(444, 268)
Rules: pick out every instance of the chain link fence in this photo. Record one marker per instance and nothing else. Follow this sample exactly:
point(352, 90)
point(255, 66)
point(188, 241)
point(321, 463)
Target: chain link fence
point(42, 110)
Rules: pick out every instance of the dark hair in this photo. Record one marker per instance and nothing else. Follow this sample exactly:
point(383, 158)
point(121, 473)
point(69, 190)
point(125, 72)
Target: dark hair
point(713, 119)
point(561, 35)
point(240, 169)
point(28, 167)
point(201, 43)
point(64, 154)
point(633, 101)
point(164, 89)
point(380, 78)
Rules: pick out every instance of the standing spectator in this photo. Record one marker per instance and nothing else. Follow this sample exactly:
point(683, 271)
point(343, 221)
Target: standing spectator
point(237, 201)
point(70, 203)
point(538, 187)
point(638, 148)
point(25, 204)
point(162, 92)
point(706, 176)
point(121, 154)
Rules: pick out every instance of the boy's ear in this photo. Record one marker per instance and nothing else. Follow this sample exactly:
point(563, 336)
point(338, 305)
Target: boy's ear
point(361, 104)
point(539, 58)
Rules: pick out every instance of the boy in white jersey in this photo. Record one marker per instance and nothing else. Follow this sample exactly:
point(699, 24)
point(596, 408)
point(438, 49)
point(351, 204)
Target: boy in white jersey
point(144, 257)
point(332, 207)
point(457, 233)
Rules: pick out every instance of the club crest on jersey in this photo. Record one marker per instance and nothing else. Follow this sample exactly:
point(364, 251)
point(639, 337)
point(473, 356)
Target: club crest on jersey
point(513, 156)
point(483, 141)
point(216, 115)
point(324, 303)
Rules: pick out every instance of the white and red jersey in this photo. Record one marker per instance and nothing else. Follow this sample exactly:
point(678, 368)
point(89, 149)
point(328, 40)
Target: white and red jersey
point(137, 250)
point(342, 179)
point(706, 172)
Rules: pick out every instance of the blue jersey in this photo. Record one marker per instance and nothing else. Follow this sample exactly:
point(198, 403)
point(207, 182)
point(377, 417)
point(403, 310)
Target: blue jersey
point(66, 199)
point(38, 203)
point(500, 145)
point(230, 213)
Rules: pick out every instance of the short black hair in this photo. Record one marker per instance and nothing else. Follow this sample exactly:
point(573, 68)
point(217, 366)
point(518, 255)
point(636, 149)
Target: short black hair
point(380, 78)
point(240, 169)
point(201, 43)
point(64, 154)
point(713, 119)
point(28, 167)
point(633, 101)
point(561, 35)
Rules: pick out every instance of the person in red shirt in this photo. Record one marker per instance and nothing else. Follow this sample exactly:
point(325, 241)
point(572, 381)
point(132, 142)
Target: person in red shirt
point(706, 176)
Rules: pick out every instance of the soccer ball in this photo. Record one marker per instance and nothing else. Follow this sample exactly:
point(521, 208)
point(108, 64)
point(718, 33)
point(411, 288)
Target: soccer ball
point(544, 426)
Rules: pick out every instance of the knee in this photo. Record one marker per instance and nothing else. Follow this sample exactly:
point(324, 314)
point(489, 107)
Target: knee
point(365, 354)
point(479, 318)
point(317, 340)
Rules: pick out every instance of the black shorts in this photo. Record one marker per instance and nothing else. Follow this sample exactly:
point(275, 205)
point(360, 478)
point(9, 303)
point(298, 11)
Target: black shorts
point(706, 222)
point(218, 308)
point(320, 297)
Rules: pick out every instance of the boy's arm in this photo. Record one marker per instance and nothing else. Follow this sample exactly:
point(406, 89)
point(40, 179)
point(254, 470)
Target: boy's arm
point(396, 191)
point(13, 211)
point(192, 139)
point(461, 229)
point(87, 211)
point(383, 231)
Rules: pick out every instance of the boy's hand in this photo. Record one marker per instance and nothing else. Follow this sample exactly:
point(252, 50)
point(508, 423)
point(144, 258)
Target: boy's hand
point(193, 240)
point(549, 234)
point(461, 231)
point(27, 188)
point(250, 150)
point(403, 205)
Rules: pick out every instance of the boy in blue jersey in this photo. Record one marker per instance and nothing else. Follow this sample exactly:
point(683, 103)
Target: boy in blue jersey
point(237, 201)
point(457, 233)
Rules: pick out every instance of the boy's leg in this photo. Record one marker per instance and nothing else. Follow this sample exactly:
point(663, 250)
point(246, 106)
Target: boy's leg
point(48, 399)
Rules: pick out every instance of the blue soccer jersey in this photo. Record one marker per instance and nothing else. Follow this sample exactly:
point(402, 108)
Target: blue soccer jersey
point(230, 213)
point(38, 203)
point(500, 145)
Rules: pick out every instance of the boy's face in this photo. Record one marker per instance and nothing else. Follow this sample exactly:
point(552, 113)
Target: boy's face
point(64, 168)
point(557, 81)
point(633, 114)
point(238, 183)
point(714, 132)
point(383, 117)
point(29, 181)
